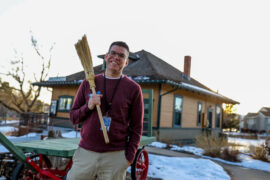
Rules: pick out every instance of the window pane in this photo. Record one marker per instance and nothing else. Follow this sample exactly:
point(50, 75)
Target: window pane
point(178, 104)
point(62, 103)
point(218, 114)
point(53, 107)
point(69, 101)
point(65, 103)
point(177, 110)
point(177, 118)
point(199, 113)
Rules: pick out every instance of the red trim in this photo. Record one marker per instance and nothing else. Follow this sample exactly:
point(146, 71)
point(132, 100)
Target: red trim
point(142, 165)
point(54, 174)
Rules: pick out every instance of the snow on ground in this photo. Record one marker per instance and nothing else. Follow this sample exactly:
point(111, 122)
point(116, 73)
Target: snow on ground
point(246, 142)
point(71, 134)
point(3, 149)
point(166, 168)
point(159, 144)
point(5, 129)
point(9, 121)
point(27, 137)
point(24, 136)
point(191, 149)
point(12, 121)
point(246, 161)
point(246, 134)
point(169, 168)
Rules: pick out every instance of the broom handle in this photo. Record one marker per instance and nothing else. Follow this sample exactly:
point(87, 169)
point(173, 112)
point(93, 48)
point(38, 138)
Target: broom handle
point(101, 119)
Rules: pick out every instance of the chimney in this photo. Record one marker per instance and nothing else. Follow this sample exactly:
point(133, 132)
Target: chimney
point(187, 65)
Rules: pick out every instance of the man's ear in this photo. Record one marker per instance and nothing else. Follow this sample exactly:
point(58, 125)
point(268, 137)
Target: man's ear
point(106, 56)
point(127, 61)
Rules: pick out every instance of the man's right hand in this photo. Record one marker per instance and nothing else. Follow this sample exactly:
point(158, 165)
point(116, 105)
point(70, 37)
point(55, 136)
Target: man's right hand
point(94, 100)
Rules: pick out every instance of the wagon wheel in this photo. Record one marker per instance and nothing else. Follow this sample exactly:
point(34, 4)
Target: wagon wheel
point(22, 171)
point(139, 167)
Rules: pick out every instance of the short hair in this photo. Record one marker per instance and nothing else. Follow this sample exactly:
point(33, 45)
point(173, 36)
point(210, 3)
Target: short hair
point(119, 43)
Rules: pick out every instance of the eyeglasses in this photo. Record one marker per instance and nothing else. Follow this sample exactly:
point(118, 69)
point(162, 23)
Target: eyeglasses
point(120, 55)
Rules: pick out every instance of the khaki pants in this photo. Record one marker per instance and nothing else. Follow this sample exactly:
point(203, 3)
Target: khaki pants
point(89, 165)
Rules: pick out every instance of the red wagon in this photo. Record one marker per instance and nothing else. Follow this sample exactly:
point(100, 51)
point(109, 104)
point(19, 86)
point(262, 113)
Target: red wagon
point(35, 158)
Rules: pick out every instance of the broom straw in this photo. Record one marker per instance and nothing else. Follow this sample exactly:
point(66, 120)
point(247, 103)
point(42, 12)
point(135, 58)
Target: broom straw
point(84, 54)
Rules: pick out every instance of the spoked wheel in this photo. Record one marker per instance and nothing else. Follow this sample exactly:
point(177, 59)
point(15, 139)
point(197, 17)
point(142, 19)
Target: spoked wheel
point(139, 168)
point(23, 172)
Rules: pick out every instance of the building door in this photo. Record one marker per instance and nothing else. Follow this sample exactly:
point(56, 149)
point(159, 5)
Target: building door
point(148, 107)
point(210, 117)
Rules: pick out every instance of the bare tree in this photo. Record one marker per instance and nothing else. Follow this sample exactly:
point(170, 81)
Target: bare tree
point(24, 98)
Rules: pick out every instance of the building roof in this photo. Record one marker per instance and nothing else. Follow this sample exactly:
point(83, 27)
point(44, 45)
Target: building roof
point(265, 111)
point(144, 67)
point(131, 56)
point(250, 115)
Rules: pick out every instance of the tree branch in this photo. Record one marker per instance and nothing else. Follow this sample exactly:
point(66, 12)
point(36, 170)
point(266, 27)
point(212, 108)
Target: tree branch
point(8, 107)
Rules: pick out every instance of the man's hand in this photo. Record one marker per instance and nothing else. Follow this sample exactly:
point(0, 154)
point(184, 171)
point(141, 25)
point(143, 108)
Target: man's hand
point(94, 100)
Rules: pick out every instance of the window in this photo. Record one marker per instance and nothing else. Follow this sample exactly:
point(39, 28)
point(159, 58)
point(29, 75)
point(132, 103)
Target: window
point(199, 118)
point(218, 116)
point(65, 103)
point(210, 117)
point(178, 101)
point(53, 107)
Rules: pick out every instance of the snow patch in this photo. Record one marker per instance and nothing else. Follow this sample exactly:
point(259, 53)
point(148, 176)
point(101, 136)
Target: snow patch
point(6, 129)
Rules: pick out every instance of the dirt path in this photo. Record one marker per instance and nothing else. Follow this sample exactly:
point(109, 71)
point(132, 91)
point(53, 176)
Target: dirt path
point(236, 172)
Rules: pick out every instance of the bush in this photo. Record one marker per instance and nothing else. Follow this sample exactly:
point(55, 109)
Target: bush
point(211, 145)
point(230, 155)
point(217, 147)
point(267, 144)
point(260, 152)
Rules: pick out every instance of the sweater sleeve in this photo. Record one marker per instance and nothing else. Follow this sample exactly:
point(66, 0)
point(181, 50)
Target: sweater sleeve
point(136, 125)
point(79, 108)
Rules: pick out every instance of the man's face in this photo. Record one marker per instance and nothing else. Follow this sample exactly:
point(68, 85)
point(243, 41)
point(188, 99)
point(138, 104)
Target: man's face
point(116, 59)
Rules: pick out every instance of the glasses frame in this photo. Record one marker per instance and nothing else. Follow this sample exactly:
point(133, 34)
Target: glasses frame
point(120, 55)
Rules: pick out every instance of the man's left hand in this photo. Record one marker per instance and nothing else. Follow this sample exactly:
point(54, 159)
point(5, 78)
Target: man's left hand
point(129, 163)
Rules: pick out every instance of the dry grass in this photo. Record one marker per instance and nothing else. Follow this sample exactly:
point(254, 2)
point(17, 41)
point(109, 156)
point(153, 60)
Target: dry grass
point(211, 145)
point(230, 154)
point(217, 147)
point(260, 152)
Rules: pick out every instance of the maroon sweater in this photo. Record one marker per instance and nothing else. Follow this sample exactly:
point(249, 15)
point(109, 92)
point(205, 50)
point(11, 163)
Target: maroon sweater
point(126, 113)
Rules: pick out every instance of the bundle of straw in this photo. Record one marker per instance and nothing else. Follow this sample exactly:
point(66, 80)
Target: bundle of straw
point(84, 53)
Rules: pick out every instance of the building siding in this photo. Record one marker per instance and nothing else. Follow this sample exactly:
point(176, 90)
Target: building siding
point(189, 127)
point(63, 90)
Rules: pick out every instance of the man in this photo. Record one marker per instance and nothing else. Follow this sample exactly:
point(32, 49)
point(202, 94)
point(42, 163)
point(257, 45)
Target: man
point(121, 104)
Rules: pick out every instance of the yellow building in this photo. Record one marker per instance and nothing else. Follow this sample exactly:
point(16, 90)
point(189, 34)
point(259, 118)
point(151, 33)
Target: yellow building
point(177, 107)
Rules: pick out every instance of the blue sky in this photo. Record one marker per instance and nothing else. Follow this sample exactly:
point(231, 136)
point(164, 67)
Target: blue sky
point(228, 40)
